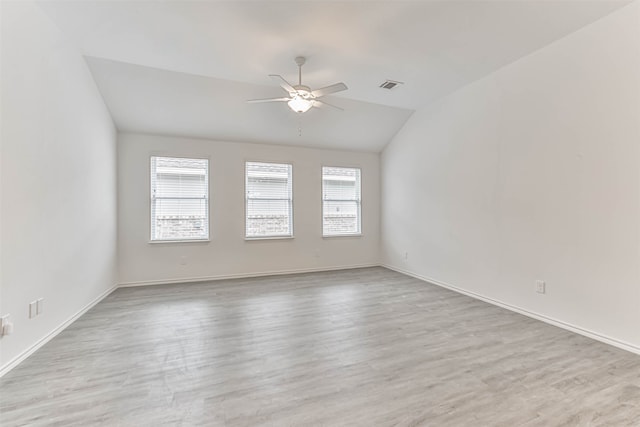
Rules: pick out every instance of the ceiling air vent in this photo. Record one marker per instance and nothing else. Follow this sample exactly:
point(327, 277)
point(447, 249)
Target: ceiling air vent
point(390, 84)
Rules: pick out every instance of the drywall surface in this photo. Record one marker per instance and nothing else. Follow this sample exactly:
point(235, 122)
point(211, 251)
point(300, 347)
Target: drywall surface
point(58, 180)
point(228, 253)
point(531, 173)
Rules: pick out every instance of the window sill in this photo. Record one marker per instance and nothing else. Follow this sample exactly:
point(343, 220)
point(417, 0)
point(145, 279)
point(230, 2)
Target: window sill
point(249, 239)
point(156, 242)
point(331, 236)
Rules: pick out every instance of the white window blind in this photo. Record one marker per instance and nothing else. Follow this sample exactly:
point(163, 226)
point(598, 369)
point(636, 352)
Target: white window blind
point(269, 200)
point(340, 201)
point(179, 199)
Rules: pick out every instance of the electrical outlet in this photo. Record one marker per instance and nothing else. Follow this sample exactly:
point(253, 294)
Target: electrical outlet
point(33, 311)
point(541, 286)
point(39, 306)
point(6, 326)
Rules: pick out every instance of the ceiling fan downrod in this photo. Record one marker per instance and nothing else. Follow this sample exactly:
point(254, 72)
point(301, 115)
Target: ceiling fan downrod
point(300, 60)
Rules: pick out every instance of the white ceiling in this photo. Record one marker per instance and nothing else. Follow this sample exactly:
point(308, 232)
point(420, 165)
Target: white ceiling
point(144, 99)
point(220, 53)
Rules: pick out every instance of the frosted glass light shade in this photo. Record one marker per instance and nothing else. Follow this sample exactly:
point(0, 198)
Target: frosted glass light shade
point(299, 104)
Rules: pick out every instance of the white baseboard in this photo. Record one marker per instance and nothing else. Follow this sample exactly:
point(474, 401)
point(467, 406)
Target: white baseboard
point(555, 322)
point(42, 341)
point(242, 275)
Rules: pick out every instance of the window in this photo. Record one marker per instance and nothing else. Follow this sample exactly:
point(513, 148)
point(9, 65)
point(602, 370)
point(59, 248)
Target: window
point(179, 199)
point(269, 200)
point(340, 201)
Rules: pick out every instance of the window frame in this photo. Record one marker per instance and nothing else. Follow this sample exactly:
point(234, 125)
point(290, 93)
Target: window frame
point(322, 200)
point(291, 203)
point(151, 199)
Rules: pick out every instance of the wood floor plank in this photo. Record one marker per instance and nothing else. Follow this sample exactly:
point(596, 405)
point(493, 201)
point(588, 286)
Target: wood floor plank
point(358, 347)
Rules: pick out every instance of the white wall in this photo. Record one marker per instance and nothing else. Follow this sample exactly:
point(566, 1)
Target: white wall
point(58, 180)
point(228, 254)
point(530, 173)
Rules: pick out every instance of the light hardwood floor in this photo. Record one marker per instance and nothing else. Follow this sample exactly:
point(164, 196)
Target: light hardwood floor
point(366, 347)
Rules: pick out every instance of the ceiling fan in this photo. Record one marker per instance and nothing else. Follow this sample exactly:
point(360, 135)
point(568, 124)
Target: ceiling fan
point(301, 98)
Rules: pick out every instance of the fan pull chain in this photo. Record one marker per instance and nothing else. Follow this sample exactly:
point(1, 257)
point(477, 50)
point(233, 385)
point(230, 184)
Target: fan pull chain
point(300, 127)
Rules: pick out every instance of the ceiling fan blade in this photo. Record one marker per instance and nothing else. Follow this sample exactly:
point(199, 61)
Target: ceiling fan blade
point(338, 87)
point(282, 82)
point(258, 101)
point(323, 104)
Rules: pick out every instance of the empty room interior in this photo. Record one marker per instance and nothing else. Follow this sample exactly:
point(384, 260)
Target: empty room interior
point(320, 213)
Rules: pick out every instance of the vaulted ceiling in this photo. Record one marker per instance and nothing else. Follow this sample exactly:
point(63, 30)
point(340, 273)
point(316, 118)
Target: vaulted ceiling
point(187, 68)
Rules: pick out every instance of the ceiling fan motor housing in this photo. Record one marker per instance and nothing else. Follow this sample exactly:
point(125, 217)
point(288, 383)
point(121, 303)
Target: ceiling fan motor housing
point(303, 91)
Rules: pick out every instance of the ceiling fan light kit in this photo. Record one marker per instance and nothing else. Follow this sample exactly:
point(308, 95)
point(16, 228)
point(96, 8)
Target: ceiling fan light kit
point(299, 104)
point(301, 98)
